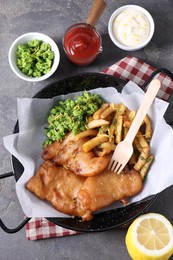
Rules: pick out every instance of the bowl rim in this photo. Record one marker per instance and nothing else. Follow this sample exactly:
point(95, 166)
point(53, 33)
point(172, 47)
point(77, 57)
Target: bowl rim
point(20, 40)
point(131, 7)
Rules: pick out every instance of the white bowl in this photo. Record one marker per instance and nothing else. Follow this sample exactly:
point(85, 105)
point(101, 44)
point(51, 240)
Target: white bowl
point(25, 38)
point(130, 7)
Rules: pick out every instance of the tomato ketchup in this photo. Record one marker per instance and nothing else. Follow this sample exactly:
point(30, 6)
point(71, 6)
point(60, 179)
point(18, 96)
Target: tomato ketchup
point(82, 44)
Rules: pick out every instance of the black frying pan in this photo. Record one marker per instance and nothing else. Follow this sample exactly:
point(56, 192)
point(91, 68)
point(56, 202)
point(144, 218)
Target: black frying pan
point(108, 219)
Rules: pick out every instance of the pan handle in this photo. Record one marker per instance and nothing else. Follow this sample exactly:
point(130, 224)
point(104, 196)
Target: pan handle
point(2, 225)
point(13, 230)
point(5, 175)
point(157, 71)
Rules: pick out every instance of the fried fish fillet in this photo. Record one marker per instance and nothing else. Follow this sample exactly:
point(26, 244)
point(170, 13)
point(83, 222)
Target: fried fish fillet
point(102, 190)
point(70, 154)
point(79, 196)
point(60, 187)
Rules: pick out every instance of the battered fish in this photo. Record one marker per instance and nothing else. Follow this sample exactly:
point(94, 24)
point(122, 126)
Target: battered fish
point(102, 190)
point(79, 196)
point(70, 154)
point(60, 187)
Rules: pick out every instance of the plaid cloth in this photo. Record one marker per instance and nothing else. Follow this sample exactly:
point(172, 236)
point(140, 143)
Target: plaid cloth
point(129, 68)
point(40, 228)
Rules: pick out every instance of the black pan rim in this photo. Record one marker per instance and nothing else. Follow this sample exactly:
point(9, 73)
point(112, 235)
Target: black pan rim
point(76, 223)
point(84, 74)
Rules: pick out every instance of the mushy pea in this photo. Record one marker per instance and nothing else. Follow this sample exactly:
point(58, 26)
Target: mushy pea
point(71, 115)
point(34, 58)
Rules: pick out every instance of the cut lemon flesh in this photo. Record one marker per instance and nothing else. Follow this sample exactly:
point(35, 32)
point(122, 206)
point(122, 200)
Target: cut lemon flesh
point(150, 236)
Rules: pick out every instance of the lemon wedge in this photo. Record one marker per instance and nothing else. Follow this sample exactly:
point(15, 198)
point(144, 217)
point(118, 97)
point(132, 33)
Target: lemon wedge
point(150, 236)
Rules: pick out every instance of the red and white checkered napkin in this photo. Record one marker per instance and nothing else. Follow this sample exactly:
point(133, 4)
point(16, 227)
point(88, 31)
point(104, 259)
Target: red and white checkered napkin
point(129, 68)
point(40, 228)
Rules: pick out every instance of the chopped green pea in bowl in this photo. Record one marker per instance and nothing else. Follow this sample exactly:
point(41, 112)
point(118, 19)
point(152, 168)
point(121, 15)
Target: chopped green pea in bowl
point(34, 56)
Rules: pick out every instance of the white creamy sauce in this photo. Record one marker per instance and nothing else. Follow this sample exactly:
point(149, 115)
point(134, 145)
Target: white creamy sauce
point(131, 28)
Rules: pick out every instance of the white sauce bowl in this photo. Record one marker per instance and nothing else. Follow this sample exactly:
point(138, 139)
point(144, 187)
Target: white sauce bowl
point(111, 23)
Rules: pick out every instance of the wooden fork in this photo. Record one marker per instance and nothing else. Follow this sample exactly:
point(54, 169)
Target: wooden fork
point(124, 149)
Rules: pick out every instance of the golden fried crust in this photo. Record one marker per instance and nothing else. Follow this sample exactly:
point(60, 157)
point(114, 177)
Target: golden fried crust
point(70, 154)
point(60, 187)
point(80, 196)
point(104, 189)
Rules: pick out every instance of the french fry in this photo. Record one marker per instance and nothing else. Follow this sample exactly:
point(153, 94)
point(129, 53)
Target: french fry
point(112, 123)
point(97, 114)
point(97, 123)
point(112, 107)
point(125, 130)
point(118, 129)
point(132, 115)
point(143, 143)
point(103, 129)
point(111, 130)
point(142, 158)
point(119, 124)
point(86, 133)
point(137, 145)
point(128, 118)
point(108, 146)
point(148, 128)
point(89, 145)
point(145, 168)
point(122, 109)
point(126, 121)
point(127, 124)
point(107, 112)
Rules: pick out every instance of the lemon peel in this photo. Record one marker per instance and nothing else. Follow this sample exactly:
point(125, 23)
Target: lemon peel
point(150, 237)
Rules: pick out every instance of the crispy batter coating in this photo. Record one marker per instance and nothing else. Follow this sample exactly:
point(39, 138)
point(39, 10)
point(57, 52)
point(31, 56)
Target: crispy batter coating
point(70, 154)
point(60, 187)
point(80, 196)
point(102, 190)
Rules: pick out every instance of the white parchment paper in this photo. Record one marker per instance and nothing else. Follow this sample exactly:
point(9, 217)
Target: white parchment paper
point(26, 145)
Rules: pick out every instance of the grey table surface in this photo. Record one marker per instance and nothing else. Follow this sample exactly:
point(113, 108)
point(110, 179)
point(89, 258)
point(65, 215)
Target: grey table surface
point(53, 17)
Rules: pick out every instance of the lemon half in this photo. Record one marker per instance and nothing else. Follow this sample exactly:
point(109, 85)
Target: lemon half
point(150, 236)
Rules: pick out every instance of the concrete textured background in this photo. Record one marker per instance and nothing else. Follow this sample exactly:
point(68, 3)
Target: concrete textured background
point(53, 17)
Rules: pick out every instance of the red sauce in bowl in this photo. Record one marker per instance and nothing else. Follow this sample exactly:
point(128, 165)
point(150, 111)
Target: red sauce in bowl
point(82, 44)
